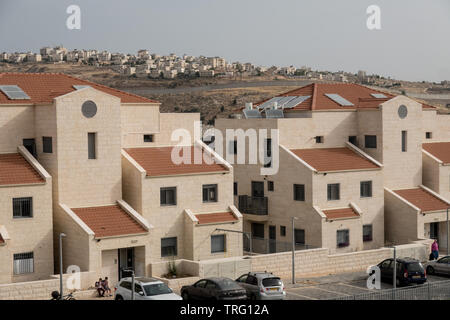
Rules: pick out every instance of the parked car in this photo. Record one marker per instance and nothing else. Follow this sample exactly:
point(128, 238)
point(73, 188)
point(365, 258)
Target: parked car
point(409, 270)
point(145, 289)
point(214, 289)
point(440, 266)
point(262, 286)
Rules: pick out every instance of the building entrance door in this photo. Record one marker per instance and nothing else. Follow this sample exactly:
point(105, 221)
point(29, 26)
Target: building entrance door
point(258, 189)
point(126, 262)
point(434, 230)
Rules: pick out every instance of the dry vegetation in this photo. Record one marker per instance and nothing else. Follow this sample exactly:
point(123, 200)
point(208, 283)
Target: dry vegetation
point(210, 103)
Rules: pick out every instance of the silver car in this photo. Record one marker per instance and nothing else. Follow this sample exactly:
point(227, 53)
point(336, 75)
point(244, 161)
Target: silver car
point(145, 289)
point(262, 286)
point(440, 266)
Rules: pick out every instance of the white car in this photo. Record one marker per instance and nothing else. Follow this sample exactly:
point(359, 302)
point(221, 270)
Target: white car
point(145, 289)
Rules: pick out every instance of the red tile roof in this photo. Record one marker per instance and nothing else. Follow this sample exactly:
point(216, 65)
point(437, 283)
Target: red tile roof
point(109, 221)
point(359, 95)
point(334, 159)
point(217, 217)
point(343, 213)
point(157, 161)
point(440, 150)
point(43, 87)
point(422, 199)
point(15, 169)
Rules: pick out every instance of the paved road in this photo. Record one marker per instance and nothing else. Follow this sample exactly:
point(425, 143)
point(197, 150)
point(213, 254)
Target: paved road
point(335, 286)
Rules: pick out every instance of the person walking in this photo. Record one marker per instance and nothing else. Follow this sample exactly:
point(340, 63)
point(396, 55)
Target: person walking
point(435, 249)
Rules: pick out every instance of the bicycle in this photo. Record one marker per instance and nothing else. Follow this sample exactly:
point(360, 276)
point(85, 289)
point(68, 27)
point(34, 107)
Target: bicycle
point(56, 296)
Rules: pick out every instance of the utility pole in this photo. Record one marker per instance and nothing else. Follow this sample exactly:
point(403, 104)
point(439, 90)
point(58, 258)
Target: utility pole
point(61, 235)
point(447, 234)
point(132, 282)
point(394, 272)
point(293, 250)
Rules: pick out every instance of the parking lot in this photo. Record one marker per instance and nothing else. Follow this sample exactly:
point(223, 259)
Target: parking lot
point(335, 286)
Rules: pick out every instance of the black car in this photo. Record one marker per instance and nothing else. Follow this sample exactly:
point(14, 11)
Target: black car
point(408, 271)
point(214, 289)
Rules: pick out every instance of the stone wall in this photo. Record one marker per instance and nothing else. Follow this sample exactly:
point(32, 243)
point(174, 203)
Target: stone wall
point(42, 289)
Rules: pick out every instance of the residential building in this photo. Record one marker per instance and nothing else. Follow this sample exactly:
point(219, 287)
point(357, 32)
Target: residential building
point(351, 162)
point(95, 163)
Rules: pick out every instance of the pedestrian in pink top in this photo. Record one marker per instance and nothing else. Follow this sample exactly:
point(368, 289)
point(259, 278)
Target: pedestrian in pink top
point(435, 249)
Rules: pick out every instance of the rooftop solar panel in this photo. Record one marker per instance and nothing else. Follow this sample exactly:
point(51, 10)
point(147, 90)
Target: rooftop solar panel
point(378, 95)
point(252, 114)
point(270, 103)
point(80, 86)
point(14, 92)
point(274, 113)
point(284, 100)
point(295, 102)
point(338, 99)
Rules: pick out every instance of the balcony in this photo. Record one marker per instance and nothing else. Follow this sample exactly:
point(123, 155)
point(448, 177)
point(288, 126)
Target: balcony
point(253, 205)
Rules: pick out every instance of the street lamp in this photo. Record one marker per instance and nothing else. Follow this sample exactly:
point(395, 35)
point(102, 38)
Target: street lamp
point(61, 235)
point(293, 250)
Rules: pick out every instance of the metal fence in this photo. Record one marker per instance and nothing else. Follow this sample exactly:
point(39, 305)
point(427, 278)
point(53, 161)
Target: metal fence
point(264, 246)
point(253, 205)
point(430, 291)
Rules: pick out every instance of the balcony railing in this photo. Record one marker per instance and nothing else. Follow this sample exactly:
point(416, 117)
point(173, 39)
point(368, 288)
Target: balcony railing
point(253, 205)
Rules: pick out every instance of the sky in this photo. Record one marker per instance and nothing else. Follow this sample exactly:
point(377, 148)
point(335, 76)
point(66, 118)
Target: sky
point(412, 44)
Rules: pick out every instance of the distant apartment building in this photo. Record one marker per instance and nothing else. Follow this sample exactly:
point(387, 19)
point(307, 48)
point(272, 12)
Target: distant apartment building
point(357, 169)
point(96, 164)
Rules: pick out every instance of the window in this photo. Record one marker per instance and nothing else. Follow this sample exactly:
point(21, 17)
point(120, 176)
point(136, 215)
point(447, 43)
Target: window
point(299, 236)
point(268, 153)
point(404, 140)
point(22, 207)
point(428, 135)
point(258, 230)
point(47, 146)
point(233, 147)
point(370, 142)
point(235, 188)
point(367, 232)
point(218, 243)
point(168, 247)
point(333, 191)
point(353, 140)
point(299, 192)
point(252, 280)
point(283, 231)
point(270, 186)
point(138, 288)
point(200, 284)
point(210, 193)
point(92, 136)
point(23, 263)
point(168, 196)
point(319, 139)
point(126, 285)
point(343, 238)
point(148, 138)
point(366, 189)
